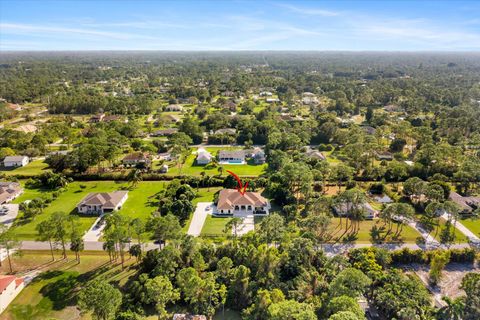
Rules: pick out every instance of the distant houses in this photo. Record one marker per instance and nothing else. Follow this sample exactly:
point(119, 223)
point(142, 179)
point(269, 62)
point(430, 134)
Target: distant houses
point(232, 202)
point(102, 117)
point(9, 191)
point(136, 158)
point(174, 108)
point(15, 161)
point(384, 156)
point(164, 132)
point(345, 209)
point(102, 202)
point(203, 157)
point(315, 155)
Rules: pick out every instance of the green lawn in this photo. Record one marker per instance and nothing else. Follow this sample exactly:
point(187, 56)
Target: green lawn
point(32, 169)
point(215, 225)
point(363, 236)
point(52, 294)
point(141, 202)
point(459, 237)
point(191, 168)
point(66, 202)
point(472, 224)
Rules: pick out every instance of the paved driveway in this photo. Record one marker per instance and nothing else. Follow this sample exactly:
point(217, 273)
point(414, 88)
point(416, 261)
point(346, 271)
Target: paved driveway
point(199, 216)
point(95, 231)
point(11, 215)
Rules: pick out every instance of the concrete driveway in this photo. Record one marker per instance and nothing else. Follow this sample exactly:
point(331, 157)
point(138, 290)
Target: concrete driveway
point(11, 215)
point(95, 231)
point(199, 217)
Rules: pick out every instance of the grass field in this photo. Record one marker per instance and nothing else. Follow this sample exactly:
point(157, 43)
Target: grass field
point(459, 237)
point(472, 224)
point(141, 202)
point(65, 202)
point(363, 236)
point(191, 168)
point(32, 169)
point(52, 294)
point(215, 225)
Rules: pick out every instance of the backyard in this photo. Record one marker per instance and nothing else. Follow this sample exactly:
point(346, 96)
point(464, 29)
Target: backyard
point(191, 168)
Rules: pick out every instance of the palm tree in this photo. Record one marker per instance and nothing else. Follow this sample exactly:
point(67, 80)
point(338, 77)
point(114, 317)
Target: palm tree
point(453, 310)
point(134, 177)
point(220, 170)
point(233, 225)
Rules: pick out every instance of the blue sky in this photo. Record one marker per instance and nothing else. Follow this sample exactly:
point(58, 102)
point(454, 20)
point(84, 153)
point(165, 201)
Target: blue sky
point(240, 25)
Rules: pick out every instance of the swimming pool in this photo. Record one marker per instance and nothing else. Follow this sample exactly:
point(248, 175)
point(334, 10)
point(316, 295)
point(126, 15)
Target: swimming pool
point(232, 162)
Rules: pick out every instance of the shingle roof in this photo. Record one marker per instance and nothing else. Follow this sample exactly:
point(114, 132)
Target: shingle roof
point(7, 189)
point(106, 199)
point(231, 154)
point(228, 198)
point(14, 158)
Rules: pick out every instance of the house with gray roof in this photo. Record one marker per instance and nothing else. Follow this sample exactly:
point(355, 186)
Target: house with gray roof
point(231, 156)
point(15, 161)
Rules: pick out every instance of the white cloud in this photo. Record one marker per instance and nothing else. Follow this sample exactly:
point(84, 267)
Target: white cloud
point(310, 11)
point(16, 28)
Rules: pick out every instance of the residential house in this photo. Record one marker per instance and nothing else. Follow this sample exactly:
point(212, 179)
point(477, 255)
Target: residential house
point(272, 100)
point(466, 204)
point(393, 108)
point(230, 105)
point(136, 158)
point(231, 156)
point(265, 94)
point(9, 191)
point(315, 155)
point(10, 287)
point(203, 156)
point(183, 316)
point(164, 132)
point(385, 155)
point(258, 156)
point(229, 131)
point(102, 202)
point(15, 161)
point(369, 130)
point(231, 201)
point(174, 107)
point(97, 118)
point(345, 208)
point(167, 156)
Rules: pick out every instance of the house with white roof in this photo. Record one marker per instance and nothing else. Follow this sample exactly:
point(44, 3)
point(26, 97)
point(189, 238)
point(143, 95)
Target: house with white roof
point(203, 156)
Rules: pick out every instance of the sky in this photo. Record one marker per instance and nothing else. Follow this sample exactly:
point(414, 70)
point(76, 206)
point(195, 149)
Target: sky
point(240, 25)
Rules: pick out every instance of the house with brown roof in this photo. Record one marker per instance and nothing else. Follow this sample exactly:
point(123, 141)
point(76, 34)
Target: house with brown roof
point(101, 202)
point(165, 132)
point(97, 118)
point(231, 201)
point(136, 158)
point(10, 287)
point(9, 191)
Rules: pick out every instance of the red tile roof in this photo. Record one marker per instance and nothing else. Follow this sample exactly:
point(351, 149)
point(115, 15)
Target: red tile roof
point(5, 282)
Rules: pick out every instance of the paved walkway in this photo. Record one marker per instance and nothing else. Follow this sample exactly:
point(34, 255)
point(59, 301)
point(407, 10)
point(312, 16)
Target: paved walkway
point(199, 217)
point(469, 234)
point(95, 231)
